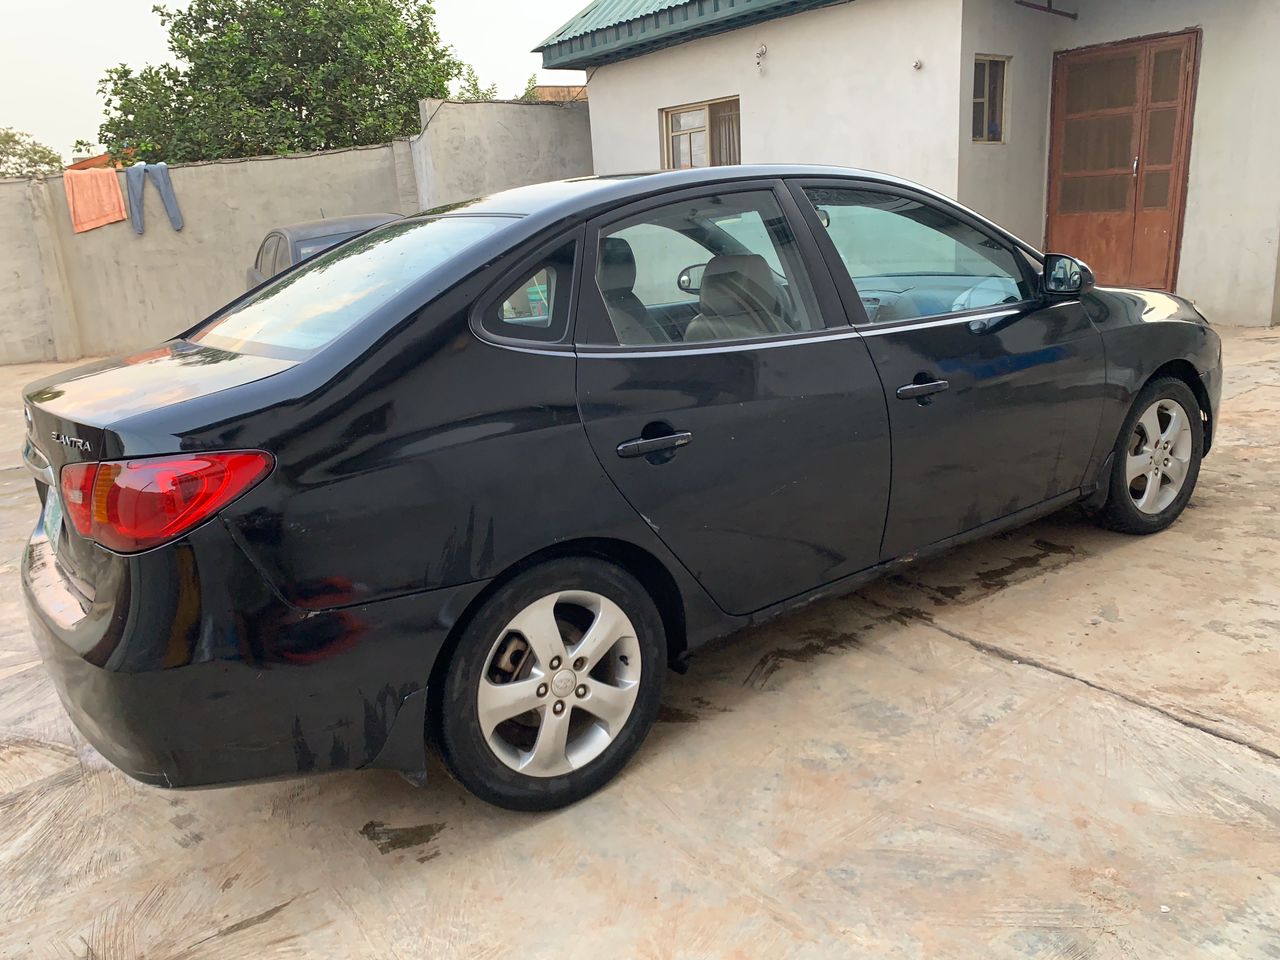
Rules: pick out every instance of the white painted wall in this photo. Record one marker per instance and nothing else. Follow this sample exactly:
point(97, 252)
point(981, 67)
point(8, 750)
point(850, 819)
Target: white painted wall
point(1230, 261)
point(836, 86)
point(1007, 181)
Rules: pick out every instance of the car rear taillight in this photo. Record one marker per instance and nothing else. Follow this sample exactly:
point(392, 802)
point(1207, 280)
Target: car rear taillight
point(132, 505)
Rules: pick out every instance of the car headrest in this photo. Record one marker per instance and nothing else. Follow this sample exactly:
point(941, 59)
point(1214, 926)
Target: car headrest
point(617, 269)
point(739, 284)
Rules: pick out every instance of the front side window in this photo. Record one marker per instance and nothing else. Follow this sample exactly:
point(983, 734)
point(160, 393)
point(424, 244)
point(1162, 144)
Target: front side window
point(701, 135)
point(911, 260)
point(536, 306)
point(714, 268)
point(337, 289)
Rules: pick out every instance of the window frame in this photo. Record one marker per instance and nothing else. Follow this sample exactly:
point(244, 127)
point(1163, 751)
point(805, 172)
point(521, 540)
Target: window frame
point(989, 58)
point(593, 331)
point(1023, 254)
point(500, 287)
point(285, 249)
point(260, 263)
point(665, 133)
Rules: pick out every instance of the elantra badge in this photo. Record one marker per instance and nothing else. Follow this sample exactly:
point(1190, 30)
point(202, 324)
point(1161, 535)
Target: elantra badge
point(73, 442)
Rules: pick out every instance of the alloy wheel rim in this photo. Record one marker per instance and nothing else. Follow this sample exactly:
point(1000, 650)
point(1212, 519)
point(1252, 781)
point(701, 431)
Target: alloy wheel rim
point(559, 683)
point(1158, 456)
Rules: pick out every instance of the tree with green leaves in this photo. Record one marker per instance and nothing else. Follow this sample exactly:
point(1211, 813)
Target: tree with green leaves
point(530, 94)
point(257, 77)
point(21, 155)
point(470, 89)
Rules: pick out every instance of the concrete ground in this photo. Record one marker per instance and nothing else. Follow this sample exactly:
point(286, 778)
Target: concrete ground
point(1062, 743)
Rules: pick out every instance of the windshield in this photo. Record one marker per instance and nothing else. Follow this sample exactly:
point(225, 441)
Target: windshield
point(327, 296)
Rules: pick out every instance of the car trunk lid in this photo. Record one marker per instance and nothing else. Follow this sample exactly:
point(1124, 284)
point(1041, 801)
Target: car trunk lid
point(70, 419)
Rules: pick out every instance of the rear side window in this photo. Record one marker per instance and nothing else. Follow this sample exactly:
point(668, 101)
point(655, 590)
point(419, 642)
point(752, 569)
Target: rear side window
point(283, 259)
point(267, 254)
point(716, 268)
point(339, 288)
point(535, 307)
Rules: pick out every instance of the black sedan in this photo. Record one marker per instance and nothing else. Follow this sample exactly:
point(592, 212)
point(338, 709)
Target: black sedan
point(285, 246)
point(480, 475)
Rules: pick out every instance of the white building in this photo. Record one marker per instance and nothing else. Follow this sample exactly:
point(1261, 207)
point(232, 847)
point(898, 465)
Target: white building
point(1139, 135)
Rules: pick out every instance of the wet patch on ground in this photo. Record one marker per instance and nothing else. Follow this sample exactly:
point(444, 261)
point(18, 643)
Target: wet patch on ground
point(816, 642)
point(389, 839)
point(1036, 558)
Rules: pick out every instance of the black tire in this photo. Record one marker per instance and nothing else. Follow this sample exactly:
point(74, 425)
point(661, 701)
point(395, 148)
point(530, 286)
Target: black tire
point(1120, 512)
point(463, 746)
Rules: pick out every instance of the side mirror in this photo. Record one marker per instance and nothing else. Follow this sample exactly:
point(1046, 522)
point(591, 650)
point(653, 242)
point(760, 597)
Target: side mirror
point(1065, 276)
point(690, 278)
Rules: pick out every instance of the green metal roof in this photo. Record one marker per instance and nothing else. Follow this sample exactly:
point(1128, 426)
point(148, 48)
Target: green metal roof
point(610, 30)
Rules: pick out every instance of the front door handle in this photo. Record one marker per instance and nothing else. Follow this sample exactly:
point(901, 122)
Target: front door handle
point(644, 446)
point(922, 390)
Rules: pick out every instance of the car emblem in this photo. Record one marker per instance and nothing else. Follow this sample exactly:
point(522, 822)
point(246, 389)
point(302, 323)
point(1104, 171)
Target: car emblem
point(74, 442)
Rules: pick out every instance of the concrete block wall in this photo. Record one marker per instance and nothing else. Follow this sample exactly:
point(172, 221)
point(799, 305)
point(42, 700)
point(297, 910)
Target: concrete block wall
point(472, 149)
point(108, 291)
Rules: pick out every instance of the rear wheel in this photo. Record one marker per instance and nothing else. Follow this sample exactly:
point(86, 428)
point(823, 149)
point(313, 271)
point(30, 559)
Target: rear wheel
point(555, 683)
point(1157, 459)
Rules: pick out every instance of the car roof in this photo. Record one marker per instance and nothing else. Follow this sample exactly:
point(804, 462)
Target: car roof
point(356, 223)
point(579, 192)
point(582, 197)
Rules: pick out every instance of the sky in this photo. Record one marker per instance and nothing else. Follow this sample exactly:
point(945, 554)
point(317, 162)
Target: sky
point(49, 72)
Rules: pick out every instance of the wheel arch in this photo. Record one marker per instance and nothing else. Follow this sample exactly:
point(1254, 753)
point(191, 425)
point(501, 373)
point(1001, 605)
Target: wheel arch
point(1185, 371)
point(640, 563)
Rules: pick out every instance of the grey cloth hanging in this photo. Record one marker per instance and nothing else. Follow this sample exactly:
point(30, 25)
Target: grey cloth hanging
point(135, 181)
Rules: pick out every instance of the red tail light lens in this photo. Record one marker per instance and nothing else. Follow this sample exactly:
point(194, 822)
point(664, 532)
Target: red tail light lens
point(133, 505)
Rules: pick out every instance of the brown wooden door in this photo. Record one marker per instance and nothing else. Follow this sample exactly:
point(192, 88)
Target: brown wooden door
point(1118, 160)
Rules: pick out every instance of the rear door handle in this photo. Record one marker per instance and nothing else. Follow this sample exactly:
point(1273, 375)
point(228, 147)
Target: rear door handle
point(641, 447)
point(916, 391)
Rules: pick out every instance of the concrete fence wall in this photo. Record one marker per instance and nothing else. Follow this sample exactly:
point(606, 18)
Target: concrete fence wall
point(65, 295)
point(472, 149)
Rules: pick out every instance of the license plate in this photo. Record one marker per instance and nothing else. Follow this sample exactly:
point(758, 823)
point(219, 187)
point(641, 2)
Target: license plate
point(53, 517)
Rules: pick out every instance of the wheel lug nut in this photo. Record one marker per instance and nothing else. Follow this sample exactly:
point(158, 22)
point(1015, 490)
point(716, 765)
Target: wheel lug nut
point(579, 663)
point(558, 708)
point(555, 663)
point(582, 690)
point(542, 689)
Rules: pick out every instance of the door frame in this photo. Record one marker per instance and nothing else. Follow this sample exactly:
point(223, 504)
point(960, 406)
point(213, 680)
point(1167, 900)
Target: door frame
point(1183, 143)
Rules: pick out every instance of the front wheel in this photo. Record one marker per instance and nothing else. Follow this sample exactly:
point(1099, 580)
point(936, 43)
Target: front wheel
point(1156, 461)
point(555, 683)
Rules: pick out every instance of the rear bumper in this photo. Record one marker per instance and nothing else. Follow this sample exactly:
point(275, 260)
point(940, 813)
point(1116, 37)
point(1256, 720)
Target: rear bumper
point(187, 670)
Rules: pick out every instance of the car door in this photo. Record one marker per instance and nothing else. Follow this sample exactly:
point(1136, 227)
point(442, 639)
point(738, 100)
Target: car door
point(994, 393)
point(728, 398)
